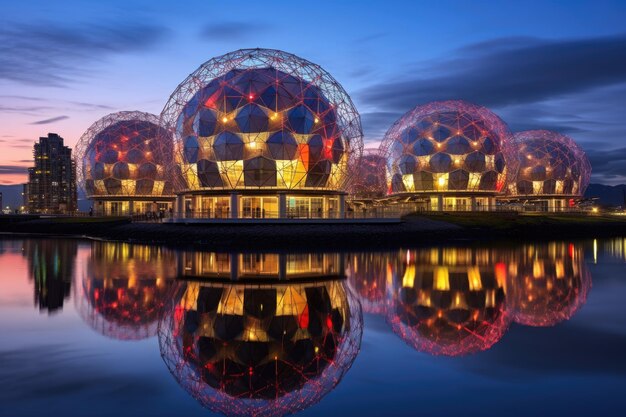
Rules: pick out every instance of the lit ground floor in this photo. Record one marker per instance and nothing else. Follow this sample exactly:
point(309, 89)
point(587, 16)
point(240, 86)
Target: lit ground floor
point(541, 203)
point(274, 205)
point(253, 266)
point(132, 206)
point(413, 202)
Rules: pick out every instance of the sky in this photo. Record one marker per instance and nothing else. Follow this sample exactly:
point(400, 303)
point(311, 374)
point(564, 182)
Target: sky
point(557, 65)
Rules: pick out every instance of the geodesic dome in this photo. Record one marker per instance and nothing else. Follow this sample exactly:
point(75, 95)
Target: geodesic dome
point(367, 277)
point(548, 283)
point(549, 164)
point(449, 308)
point(260, 349)
point(123, 288)
point(124, 154)
point(447, 146)
point(369, 178)
point(258, 118)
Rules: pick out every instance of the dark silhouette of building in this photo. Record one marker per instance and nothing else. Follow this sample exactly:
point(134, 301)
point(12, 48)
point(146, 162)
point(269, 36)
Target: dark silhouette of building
point(51, 267)
point(52, 181)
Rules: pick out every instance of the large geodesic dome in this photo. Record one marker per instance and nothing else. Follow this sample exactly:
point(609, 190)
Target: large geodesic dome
point(550, 163)
point(447, 146)
point(449, 301)
point(260, 349)
point(262, 118)
point(124, 154)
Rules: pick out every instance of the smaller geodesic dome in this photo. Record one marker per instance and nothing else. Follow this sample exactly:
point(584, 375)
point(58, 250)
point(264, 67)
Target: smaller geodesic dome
point(445, 303)
point(547, 283)
point(125, 154)
point(369, 178)
point(122, 290)
point(262, 119)
point(260, 349)
point(550, 164)
point(447, 146)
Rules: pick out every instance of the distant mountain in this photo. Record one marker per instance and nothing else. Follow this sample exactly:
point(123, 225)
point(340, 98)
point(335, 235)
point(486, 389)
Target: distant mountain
point(609, 195)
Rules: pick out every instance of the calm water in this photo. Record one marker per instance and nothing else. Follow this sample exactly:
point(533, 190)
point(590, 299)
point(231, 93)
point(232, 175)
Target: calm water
point(93, 328)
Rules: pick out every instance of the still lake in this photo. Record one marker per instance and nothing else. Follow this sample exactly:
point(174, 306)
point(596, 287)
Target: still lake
point(102, 328)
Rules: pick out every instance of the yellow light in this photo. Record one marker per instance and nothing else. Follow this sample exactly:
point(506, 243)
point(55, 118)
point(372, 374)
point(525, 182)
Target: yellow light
point(441, 180)
point(224, 119)
point(457, 161)
point(253, 144)
point(317, 120)
point(594, 209)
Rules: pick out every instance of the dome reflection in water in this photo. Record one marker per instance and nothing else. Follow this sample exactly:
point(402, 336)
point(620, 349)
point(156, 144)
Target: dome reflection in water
point(457, 301)
point(548, 283)
point(369, 276)
point(260, 334)
point(123, 288)
point(449, 301)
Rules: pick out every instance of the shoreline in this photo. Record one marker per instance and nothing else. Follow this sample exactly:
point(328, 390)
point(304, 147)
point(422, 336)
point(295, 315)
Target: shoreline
point(413, 231)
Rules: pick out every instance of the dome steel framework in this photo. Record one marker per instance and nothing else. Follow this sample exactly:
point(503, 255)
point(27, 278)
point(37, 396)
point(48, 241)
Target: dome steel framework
point(550, 164)
point(260, 349)
point(447, 147)
point(369, 180)
point(257, 118)
point(120, 156)
point(122, 160)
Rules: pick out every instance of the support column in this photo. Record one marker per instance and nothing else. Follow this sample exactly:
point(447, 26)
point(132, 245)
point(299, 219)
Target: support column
point(342, 206)
point(234, 266)
point(282, 205)
point(234, 205)
point(180, 209)
point(473, 205)
point(196, 207)
point(282, 266)
point(131, 207)
point(439, 202)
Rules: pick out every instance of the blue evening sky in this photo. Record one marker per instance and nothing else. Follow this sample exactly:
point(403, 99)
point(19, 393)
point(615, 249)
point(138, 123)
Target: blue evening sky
point(539, 64)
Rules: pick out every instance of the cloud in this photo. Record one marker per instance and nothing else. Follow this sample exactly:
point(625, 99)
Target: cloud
point(233, 30)
point(45, 53)
point(51, 120)
point(508, 71)
point(24, 104)
point(12, 169)
point(573, 86)
point(608, 163)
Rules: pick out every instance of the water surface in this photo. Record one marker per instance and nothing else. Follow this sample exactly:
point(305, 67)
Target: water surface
point(96, 328)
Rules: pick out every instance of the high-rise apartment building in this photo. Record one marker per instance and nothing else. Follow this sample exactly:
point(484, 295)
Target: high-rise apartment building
point(52, 181)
